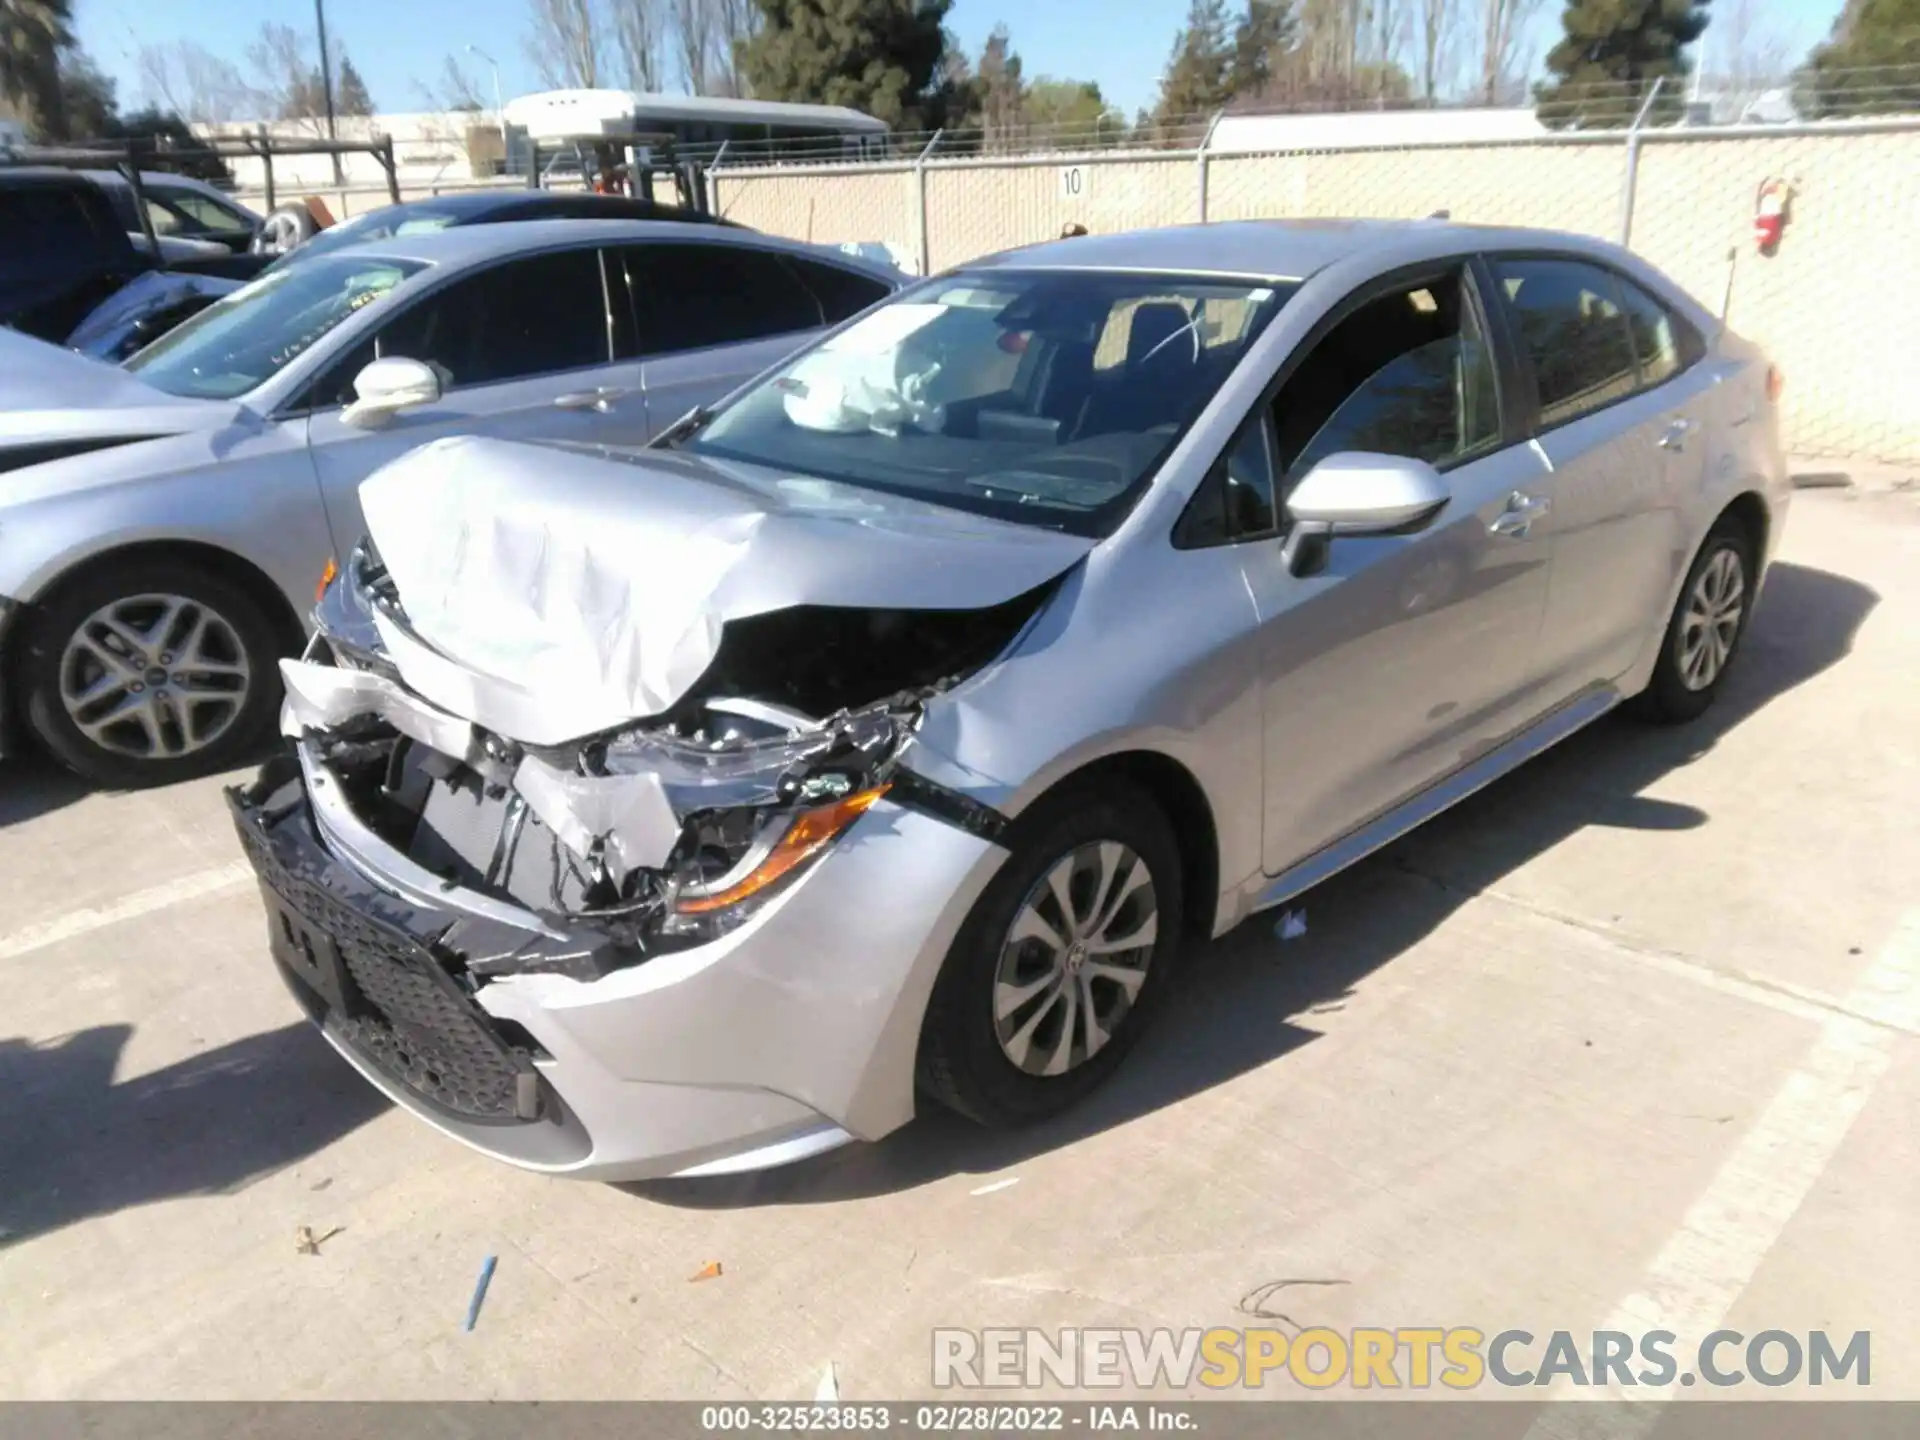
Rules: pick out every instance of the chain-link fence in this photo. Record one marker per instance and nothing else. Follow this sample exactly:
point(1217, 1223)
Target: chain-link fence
point(1837, 305)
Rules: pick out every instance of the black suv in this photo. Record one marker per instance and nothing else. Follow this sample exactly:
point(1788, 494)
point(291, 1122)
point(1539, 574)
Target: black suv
point(67, 250)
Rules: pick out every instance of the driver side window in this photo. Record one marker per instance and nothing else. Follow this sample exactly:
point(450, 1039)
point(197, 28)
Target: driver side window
point(1409, 372)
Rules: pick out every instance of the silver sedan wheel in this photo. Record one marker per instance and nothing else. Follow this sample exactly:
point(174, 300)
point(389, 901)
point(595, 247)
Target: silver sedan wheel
point(1711, 622)
point(156, 677)
point(1075, 958)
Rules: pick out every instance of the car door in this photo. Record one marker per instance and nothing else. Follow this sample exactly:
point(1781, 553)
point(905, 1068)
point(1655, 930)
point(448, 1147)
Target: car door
point(712, 315)
point(1403, 657)
point(1617, 404)
point(524, 350)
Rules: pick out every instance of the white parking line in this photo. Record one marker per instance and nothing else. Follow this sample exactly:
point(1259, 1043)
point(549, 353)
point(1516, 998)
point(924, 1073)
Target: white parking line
point(1711, 1258)
point(128, 907)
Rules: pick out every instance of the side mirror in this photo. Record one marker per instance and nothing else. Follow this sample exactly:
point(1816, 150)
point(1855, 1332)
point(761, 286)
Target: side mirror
point(1357, 493)
point(385, 388)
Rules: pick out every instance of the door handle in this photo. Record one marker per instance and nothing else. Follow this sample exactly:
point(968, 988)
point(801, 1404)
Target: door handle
point(601, 400)
point(1676, 435)
point(1522, 510)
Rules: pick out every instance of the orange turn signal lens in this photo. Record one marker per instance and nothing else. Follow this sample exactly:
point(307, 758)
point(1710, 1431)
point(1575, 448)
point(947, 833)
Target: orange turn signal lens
point(809, 833)
point(326, 578)
point(1776, 382)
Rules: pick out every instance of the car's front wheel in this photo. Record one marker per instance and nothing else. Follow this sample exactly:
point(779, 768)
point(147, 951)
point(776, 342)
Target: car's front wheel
point(149, 672)
point(1061, 961)
point(1706, 627)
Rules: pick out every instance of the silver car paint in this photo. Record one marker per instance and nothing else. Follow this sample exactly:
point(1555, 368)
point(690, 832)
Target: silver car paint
point(1315, 717)
point(278, 488)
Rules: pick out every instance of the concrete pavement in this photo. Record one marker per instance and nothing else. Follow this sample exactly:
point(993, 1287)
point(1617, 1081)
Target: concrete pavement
point(1631, 1035)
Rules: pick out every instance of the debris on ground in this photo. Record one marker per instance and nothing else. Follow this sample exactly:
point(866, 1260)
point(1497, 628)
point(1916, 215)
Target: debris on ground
point(996, 1185)
point(480, 1289)
point(708, 1271)
point(308, 1243)
point(1293, 924)
point(829, 1391)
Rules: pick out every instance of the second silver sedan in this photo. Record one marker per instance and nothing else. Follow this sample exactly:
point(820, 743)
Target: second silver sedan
point(165, 525)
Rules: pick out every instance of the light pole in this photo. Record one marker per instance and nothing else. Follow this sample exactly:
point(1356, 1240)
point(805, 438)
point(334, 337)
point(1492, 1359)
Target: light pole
point(326, 80)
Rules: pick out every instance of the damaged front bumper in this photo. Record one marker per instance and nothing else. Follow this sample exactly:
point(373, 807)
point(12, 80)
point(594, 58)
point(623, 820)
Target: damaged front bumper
point(526, 954)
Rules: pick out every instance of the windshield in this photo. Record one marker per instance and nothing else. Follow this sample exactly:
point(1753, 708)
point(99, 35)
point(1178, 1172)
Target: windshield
point(1045, 397)
point(247, 338)
point(374, 225)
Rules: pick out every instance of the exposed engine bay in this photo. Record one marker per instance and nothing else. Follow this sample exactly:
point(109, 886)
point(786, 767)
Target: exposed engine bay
point(662, 833)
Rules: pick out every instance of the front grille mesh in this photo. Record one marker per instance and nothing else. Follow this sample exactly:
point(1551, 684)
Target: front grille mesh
point(405, 1014)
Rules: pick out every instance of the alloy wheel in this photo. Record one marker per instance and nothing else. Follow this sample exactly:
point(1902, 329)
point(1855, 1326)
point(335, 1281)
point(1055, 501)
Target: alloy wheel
point(1075, 958)
point(154, 677)
point(1711, 622)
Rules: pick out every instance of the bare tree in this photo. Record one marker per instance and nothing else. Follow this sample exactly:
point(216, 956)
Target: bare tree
point(735, 23)
point(1504, 56)
point(1438, 25)
point(564, 43)
point(639, 33)
point(1387, 32)
point(286, 77)
point(1744, 51)
point(695, 36)
point(193, 83)
point(455, 89)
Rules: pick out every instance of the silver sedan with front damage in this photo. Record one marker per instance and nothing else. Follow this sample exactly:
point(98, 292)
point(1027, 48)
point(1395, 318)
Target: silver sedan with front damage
point(886, 731)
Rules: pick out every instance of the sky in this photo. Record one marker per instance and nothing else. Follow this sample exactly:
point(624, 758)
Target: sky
point(1121, 44)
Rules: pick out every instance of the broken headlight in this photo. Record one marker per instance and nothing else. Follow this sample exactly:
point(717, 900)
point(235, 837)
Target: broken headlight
point(765, 792)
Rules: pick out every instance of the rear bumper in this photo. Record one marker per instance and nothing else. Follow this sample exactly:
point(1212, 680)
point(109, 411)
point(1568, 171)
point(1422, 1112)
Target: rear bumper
point(791, 1035)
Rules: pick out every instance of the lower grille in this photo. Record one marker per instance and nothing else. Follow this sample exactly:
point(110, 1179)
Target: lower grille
point(392, 1000)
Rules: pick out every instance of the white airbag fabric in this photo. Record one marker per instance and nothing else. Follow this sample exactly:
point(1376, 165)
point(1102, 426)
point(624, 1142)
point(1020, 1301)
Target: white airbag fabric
point(629, 812)
point(320, 697)
point(555, 592)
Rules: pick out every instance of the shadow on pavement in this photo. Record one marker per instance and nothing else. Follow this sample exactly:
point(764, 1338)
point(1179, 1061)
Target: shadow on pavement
point(1247, 1000)
point(74, 1144)
point(32, 785)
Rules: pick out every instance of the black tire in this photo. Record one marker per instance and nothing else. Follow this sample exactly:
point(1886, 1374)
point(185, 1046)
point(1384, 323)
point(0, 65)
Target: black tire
point(229, 733)
point(1671, 697)
point(962, 1063)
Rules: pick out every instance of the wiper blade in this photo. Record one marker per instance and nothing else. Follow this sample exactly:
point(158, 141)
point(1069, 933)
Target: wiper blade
point(682, 429)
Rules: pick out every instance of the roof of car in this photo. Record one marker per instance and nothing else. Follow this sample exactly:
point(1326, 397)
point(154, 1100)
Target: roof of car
point(464, 244)
point(158, 180)
point(472, 205)
point(1273, 249)
point(42, 177)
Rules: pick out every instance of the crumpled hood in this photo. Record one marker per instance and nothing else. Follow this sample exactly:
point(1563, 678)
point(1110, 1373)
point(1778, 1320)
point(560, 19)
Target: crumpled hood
point(48, 393)
point(553, 592)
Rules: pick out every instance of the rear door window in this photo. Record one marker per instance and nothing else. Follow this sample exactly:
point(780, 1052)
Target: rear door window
point(1573, 331)
point(686, 297)
point(1663, 343)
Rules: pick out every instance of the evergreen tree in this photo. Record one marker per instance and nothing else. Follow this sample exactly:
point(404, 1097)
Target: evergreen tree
point(884, 57)
point(350, 95)
point(1871, 62)
point(1609, 58)
point(1195, 83)
point(1261, 40)
point(33, 36)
